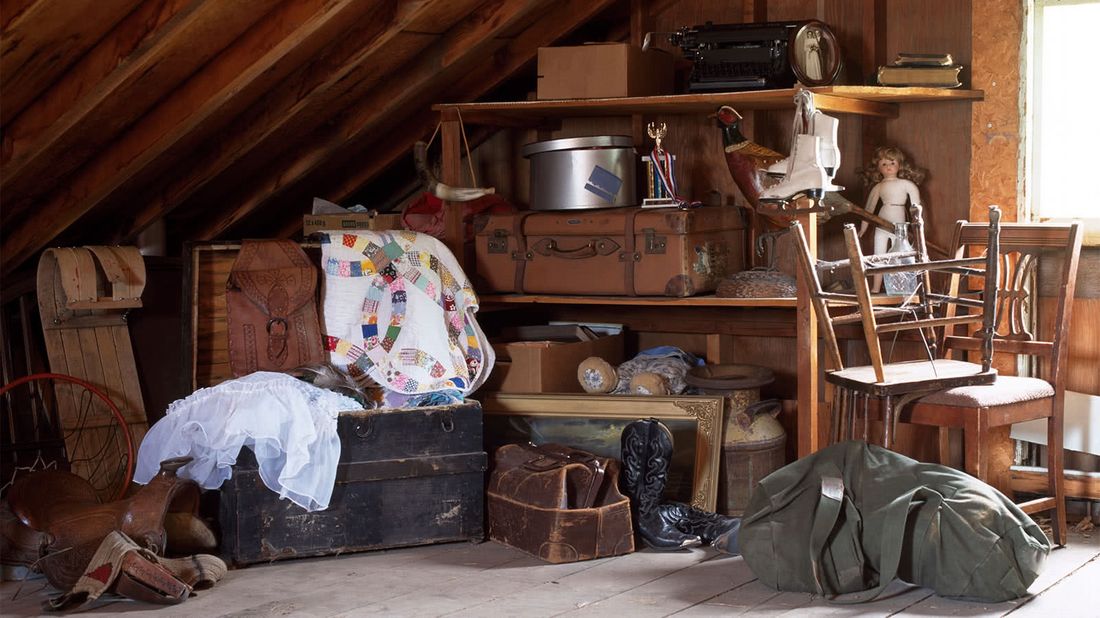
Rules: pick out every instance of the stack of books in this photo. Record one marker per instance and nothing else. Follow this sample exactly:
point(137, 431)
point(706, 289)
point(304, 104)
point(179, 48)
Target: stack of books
point(930, 70)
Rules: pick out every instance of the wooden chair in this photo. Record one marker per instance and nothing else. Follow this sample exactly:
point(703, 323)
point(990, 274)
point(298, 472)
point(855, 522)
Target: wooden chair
point(1026, 251)
point(895, 384)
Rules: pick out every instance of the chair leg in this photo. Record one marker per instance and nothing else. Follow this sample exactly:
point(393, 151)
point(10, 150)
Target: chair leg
point(1056, 477)
point(945, 445)
point(973, 436)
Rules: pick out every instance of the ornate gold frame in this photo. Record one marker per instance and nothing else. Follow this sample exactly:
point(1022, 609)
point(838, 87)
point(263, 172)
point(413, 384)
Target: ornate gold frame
point(706, 411)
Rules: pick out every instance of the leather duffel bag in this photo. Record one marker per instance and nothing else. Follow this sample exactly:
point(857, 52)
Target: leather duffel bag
point(558, 503)
point(271, 308)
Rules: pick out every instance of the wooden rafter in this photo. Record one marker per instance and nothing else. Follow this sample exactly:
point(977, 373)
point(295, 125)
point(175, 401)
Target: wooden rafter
point(291, 35)
point(301, 102)
point(42, 39)
point(450, 57)
point(505, 63)
point(110, 105)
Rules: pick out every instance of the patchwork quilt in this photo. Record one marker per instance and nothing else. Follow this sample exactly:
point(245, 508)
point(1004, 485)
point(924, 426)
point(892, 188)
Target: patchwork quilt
point(399, 309)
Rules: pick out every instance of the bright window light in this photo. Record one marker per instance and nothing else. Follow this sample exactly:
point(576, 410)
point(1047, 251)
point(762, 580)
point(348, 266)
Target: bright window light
point(1066, 146)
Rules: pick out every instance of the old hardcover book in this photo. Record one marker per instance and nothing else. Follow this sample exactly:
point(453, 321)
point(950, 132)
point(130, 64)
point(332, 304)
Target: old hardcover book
point(938, 77)
point(911, 59)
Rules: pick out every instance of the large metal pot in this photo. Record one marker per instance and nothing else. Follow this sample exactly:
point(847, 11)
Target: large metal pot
point(582, 172)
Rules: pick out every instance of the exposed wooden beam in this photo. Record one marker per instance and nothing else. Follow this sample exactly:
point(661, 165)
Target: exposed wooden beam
point(306, 99)
point(289, 37)
point(411, 87)
point(184, 44)
point(84, 78)
point(41, 39)
point(507, 62)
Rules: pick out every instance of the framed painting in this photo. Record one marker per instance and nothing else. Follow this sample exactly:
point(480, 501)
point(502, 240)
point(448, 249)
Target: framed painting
point(595, 422)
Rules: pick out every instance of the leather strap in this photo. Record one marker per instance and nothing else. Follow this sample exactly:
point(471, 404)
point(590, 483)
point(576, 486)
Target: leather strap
point(630, 256)
point(144, 580)
point(519, 256)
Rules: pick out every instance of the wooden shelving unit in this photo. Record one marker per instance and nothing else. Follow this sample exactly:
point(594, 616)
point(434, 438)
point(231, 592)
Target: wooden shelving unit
point(876, 101)
point(870, 101)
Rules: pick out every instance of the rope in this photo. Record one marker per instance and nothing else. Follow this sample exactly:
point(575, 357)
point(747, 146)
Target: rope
point(465, 142)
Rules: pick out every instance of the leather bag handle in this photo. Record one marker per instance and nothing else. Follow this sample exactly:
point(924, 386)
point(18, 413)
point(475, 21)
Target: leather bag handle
point(553, 456)
point(596, 246)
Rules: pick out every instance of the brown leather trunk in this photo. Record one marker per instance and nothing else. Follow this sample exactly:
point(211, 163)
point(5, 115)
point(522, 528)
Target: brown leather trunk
point(617, 251)
point(558, 503)
point(271, 308)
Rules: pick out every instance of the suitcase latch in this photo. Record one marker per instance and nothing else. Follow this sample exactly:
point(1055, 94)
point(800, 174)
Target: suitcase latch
point(653, 242)
point(498, 242)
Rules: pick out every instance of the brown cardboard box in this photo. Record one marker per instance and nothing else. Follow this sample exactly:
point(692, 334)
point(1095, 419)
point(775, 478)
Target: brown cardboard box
point(603, 70)
point(548, 366)
point(351, 221)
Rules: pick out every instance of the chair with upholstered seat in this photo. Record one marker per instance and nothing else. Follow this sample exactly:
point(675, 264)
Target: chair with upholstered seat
point(1036, 257)
point(894, 384)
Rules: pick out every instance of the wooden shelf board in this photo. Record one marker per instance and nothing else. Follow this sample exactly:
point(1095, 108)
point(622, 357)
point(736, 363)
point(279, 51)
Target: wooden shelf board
point(658, 301)
point(866, 100)
point(691, 301)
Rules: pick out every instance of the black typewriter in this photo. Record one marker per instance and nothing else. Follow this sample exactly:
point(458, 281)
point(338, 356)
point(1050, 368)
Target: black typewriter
point(738, 56)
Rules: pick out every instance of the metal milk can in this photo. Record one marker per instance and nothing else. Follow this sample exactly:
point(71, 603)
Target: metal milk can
point(753, 440)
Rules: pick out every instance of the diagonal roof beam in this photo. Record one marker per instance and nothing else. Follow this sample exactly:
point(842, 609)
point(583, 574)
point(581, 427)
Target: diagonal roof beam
point(507, 62)
point(290, 36)
point(303, 101)
point(44, 39)
point(462, 47)
point(39, 157)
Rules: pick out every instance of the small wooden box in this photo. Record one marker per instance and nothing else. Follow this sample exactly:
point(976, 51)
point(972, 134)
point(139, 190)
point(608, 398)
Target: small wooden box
point(406, 476)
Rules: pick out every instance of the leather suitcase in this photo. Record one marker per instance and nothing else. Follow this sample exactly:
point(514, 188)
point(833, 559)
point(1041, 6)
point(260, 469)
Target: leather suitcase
point(558, 503)
point(616, 251)
point(408, 476)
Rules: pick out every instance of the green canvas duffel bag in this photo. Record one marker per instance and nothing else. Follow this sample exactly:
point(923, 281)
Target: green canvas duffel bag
point(853, 516)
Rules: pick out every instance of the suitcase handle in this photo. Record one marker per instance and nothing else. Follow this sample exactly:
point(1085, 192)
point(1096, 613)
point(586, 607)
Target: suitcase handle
point(596, 246)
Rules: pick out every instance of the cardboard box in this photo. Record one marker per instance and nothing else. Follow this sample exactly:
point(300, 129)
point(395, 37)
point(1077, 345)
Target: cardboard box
point(351, 221)
point(548, 366)
point(603, 70)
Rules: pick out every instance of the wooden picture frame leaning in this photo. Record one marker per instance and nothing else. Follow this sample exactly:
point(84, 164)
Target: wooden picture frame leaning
point(704, 411)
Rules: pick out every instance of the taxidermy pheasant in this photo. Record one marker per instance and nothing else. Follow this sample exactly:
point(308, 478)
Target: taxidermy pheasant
point(744, 158)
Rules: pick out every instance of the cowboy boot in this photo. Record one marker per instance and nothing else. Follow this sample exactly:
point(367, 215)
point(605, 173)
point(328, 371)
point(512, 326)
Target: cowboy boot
point(715, 530)
point(825, 127)
point(806, 176)
point(646, 456)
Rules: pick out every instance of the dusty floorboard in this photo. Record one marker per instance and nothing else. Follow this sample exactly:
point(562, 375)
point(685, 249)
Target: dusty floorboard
point(491, 580)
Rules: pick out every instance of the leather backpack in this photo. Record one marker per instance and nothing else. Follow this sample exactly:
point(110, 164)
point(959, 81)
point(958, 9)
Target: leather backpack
point(558, 503)
point(271, 308)
point(852, 517)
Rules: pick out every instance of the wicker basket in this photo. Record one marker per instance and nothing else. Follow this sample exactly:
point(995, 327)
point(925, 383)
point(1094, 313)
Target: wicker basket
point(757, 283)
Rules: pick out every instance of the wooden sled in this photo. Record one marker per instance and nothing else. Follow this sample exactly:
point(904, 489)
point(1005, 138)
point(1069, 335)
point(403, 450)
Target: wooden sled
point(84, 295)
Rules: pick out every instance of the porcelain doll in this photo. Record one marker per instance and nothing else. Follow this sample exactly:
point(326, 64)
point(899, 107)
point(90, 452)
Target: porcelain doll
point(895, 182)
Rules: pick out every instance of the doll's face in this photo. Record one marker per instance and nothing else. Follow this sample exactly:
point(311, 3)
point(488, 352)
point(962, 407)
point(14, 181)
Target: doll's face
point(888, 167)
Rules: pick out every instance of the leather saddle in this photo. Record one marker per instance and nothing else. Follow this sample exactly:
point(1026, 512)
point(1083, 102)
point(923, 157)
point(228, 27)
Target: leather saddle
point(69, 521)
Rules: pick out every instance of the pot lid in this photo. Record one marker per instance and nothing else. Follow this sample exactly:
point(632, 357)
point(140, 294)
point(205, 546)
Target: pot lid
point(578, 143)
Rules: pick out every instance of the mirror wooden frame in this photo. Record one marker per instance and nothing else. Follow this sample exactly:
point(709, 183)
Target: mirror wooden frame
point(705, 411)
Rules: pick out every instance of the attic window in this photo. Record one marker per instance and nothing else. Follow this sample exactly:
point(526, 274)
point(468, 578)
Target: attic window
point(1065, 132)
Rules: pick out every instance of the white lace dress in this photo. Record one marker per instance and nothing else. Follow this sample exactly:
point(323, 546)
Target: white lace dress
point(289, 424)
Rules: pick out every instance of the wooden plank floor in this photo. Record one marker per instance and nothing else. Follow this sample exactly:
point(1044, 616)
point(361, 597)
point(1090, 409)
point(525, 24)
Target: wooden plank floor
point(492, 580)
